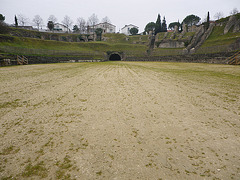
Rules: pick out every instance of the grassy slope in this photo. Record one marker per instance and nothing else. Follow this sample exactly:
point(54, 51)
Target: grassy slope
point(218, 38)
point(24, 44)
point(131, 45)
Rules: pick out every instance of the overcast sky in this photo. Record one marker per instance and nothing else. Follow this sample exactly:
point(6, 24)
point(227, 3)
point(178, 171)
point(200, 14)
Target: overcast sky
point(121, 12)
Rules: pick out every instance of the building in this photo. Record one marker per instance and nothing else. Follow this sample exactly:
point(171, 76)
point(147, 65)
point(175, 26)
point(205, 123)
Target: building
point(60, 28)
point(106, 27)
point(126, 29)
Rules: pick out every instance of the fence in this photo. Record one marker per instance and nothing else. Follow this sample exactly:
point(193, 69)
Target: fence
point(235, 59)
point(22, 60)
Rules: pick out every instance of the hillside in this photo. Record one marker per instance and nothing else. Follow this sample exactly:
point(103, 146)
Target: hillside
point(32, 46)
point(68, 46)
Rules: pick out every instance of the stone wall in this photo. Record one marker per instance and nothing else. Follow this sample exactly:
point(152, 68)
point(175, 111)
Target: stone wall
point(216, 58)
point(232, 22)
point(171, 44)
point(48, 59)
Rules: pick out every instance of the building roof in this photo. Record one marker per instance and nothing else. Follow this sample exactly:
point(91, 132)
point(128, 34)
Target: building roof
point(105, 23)
point(60, 24)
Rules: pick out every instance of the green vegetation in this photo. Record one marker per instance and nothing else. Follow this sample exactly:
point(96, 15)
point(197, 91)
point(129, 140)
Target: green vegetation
point(134, 31)
point(32, 46)
point(63, 168)
point(35, 170)
point(191, 20)
point(34, 43)
point(218, 38)
point(9, 150)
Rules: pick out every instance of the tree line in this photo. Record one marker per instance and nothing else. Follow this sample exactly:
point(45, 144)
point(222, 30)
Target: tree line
point(190, 20)
point(159, 26)
point(81, 24)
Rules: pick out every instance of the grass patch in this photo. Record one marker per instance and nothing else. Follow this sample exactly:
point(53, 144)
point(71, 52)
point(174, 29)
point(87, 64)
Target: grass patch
point(218, 38)
point(63, 167)
point(35, 170)
point(9, 150)
point(15, 103)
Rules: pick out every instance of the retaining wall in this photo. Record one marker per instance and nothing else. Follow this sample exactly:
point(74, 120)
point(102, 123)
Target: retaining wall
point(216, 58)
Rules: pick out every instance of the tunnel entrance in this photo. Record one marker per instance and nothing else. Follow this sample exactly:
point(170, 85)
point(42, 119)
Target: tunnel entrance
point(115, 57)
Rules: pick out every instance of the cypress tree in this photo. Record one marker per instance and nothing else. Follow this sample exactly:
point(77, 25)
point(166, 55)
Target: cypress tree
point(164, 25)
point(16, 21)
point(158, 26)
point(208, 21)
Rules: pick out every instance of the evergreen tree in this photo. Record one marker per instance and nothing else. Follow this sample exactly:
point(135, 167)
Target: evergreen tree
point(75, 29)
point(16, 21)
point(158, 26)
point(133, 31)
point(191, 20)
point(50, 25)
point(2, 18)
point(99, 32)
point(173, 24)
point(164, 25)
point(208, 21)
point(149, 27)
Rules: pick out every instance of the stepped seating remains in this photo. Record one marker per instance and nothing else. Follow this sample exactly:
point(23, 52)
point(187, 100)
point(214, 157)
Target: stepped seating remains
point(234, 59)
point(22, 60)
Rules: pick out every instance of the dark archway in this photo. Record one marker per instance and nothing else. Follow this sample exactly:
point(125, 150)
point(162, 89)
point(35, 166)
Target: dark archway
point(115, 57)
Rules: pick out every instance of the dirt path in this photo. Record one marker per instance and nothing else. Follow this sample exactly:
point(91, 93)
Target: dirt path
point(120, 120)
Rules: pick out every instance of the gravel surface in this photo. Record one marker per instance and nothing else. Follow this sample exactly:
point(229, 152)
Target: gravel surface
point(120, 120)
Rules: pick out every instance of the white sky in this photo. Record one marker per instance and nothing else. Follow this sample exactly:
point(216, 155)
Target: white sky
point(121, 12)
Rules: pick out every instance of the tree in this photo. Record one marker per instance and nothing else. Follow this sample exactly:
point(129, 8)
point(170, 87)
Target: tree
point(93, 20)
point(16, 21)
point(4, 29)
point(234, 11)
point(67, 22)
point(133, 31)
point(218, 15)
point(164, 25)
point(50, 25)
point(208, 21)
point(38, 21)
point(2, 18)
point(158, 25)
point(81, 24)
point(191, 20)
point(150, 27)
point(75, 29)
point(173, 24)
point(106, 20)
point(52, 18)
point(22, 19)
point(98, 32)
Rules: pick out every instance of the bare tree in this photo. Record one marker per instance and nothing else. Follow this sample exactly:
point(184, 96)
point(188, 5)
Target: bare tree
point(67, 22)
point(38, 21)
point(234, 11)
point(218, 15)
point(106, 20)
point(22, 19)
point(82, 24)
point(52, 18)
point(92, 21)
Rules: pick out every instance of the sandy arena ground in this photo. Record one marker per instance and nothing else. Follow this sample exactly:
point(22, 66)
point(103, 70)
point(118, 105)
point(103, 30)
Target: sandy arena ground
point(120, 120)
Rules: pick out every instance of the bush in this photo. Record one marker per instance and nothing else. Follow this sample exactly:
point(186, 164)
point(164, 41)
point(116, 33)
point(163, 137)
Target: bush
point(4, 29)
